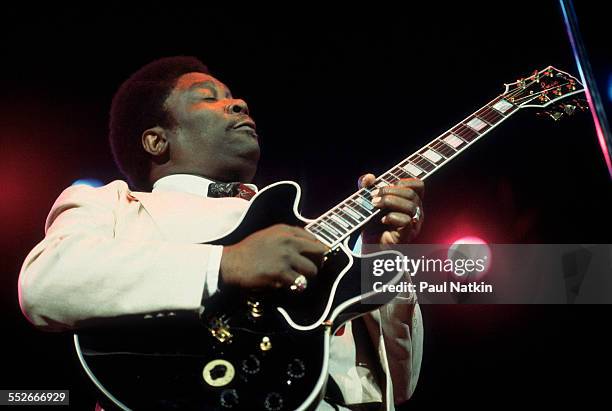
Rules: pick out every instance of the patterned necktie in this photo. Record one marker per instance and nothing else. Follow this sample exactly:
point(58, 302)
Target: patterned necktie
point(218, 190)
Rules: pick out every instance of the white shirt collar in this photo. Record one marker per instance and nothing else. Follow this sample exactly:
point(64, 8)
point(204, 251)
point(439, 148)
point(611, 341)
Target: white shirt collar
point(187, 183)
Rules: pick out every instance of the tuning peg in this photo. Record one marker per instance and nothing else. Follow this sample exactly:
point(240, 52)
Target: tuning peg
point(561, 110)
point(554, 114)
point(569, 109)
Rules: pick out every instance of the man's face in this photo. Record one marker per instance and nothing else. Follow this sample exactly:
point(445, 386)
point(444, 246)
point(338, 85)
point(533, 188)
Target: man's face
point(214, 135)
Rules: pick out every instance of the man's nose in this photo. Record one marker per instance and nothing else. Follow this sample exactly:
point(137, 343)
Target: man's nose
point(238, 106)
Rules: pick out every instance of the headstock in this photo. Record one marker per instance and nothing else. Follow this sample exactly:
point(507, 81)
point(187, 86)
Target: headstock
point(547, 88)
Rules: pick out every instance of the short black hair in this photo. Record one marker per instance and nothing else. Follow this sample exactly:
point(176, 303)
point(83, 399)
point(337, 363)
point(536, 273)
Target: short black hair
point(139, 105)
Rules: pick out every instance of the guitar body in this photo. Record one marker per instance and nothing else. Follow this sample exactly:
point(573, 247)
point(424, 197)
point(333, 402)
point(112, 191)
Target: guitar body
point(252, 351)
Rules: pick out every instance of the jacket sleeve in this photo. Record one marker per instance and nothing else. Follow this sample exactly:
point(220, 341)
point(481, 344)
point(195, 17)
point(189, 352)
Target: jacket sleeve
point(80, 271)
point(398, 327)
point(401, 324)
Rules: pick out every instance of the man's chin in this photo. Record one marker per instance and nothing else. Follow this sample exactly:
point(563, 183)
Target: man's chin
point(251, 152)
point(248, 167)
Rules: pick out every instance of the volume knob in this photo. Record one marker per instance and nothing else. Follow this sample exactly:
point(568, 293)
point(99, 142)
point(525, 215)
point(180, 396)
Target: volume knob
point(229, 399)
point(296, 368)
point(273, 402)
point(251, 365)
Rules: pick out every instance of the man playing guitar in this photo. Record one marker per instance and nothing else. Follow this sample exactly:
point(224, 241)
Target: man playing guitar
point(140, 252)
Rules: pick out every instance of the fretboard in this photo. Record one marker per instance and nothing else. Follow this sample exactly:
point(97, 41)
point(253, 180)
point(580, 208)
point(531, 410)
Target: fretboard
point(345, 218)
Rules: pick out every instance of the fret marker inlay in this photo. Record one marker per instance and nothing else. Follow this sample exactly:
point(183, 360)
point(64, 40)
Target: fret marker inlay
point(476, 124)
point(412, 169)
point(502, 106)
point(453, 140)
point(432, 155)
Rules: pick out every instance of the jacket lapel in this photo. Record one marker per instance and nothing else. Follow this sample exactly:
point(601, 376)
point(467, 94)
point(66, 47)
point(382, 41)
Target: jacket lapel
point(183, 217)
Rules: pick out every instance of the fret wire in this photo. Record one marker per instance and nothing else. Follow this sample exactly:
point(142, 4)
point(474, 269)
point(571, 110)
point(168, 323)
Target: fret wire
point(393, 175)
point(444, 148)
point(487, 119)
point(484, 116)
point(416, 163)
point(353, 198)
point(341, 221)
point(323, 230)
point(348, 210)
point(494, 114)
point(361, 210)
point(402, 173)
point(322, 233)
point(484, 120)
point(330, 221)
point(326, 235)
point(424, 163)
point(366, 203)
point(460, 138)
point(348, 218)
point(385, 179)
point(367, 189)
point(490, 115)
point(365, 209)
point(423, 166)
point(423, 171)
point(331, 229)
point(467, 129)
point(356, 210)
point(435, 150)
point(426, 151)
point(407, 164)
point(466, 134)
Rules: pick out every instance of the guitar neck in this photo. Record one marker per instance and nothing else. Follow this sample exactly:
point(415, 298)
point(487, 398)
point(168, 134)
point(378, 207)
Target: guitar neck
point(341, 221)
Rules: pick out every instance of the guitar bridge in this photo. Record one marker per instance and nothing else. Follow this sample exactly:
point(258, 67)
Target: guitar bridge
point(220, 329)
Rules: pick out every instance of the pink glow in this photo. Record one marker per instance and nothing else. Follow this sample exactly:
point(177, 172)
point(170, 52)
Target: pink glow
point(470, 240)
point(600, 136)
point(456, 250)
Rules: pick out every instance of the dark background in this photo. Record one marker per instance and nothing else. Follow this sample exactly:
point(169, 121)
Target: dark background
point(336, 93)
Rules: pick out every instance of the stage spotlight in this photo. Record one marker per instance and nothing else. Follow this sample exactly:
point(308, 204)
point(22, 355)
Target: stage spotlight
point(92, 182)
point(471, 248)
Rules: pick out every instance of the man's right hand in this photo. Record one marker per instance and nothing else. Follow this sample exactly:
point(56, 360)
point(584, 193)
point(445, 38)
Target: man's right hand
point(272, 258)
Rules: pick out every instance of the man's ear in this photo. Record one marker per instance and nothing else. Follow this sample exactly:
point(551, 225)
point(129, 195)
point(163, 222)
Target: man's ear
point(155, 142)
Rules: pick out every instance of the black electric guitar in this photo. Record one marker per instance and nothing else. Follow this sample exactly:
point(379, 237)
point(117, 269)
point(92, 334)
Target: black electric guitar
point(270, 352)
